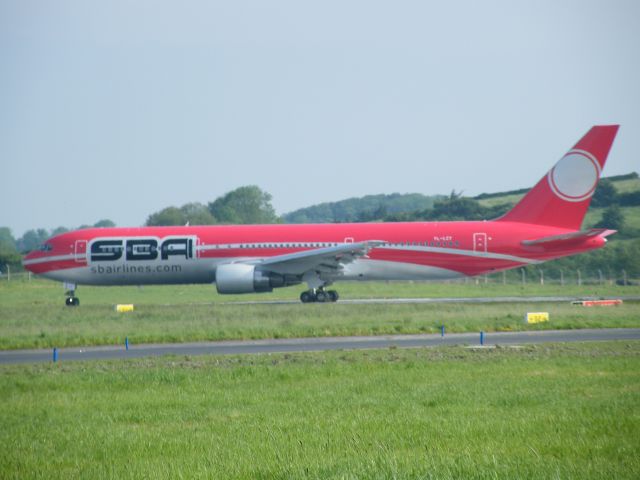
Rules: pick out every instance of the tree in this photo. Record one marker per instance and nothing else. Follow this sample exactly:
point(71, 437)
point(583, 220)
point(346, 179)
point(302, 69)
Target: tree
point(456, 207)
point(31, 240)
point(629, 199)
point(605, 194)
point(9, 254)
point(191, 213)
point(245, 205)
point(197, 214)
point(104, 223)
point(166, 216)
point(612, 218)
point(628, 256)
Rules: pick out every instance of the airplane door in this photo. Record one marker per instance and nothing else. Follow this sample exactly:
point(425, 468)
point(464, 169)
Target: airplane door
point(81, 251)
point(198, 244)
point(480, 242)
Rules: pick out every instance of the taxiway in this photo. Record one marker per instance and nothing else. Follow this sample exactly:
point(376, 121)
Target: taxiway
point(317, 344)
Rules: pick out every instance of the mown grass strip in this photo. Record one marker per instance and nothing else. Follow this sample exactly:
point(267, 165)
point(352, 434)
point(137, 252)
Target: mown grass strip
point(46, 323)
point(553, 411)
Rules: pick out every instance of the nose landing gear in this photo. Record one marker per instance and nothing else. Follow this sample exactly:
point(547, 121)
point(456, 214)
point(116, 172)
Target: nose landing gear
point(319, 295)
point(71, 300)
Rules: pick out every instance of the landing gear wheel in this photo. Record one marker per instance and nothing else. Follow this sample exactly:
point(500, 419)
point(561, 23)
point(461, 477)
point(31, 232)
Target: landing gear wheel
point(321, 296)
point(72, 301)
point(307, 297)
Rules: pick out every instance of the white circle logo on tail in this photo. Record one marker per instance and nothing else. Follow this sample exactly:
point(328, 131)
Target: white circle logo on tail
point(575, 176)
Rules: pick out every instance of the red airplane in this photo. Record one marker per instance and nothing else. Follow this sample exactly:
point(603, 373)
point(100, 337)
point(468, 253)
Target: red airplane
point(544, 225)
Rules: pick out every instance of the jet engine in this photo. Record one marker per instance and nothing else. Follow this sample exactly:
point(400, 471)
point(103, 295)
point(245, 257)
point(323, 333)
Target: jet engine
point(243, 278)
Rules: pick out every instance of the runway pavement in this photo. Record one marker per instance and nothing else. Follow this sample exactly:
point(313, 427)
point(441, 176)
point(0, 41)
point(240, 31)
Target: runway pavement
point(317, 344)
point(393, 301)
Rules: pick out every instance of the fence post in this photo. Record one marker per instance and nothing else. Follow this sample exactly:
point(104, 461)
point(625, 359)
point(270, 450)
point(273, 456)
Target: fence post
point(624, 278)
point(8, 273)
point(541, 277)
point(579, 277)
point(561, 277)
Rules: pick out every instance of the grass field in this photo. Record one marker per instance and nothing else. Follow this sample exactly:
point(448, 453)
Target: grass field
point(630, 185)
point(553, 411)
point(32, 314)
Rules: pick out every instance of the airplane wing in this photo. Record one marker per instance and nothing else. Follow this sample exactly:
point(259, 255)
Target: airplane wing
point(320, 260)
point(568, 238)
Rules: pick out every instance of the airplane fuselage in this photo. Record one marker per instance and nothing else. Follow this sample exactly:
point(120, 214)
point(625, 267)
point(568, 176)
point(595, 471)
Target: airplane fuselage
point(411, 251)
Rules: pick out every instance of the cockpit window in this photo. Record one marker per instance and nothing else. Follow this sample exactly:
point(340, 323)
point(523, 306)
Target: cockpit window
point(45, 247)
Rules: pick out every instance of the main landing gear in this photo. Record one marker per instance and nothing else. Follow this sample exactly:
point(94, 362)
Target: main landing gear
point(319, 295)
point(71, 300)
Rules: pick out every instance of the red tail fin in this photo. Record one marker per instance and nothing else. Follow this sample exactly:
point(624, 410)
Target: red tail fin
point(561, 198)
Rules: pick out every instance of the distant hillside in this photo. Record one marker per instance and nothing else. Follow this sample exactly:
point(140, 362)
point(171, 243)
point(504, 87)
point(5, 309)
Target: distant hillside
point(624, 184)
point(362, 209)
point(626, 194)
point(623, 190)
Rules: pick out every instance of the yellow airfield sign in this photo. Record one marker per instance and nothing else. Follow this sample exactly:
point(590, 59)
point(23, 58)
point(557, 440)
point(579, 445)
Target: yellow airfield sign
point(124, 308)
point(536, 317)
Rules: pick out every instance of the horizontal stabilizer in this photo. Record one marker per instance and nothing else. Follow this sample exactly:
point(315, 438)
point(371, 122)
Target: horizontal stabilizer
point(568, 238)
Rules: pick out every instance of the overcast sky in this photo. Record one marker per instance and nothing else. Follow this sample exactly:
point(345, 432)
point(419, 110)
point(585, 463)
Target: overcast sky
point(116, 109)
